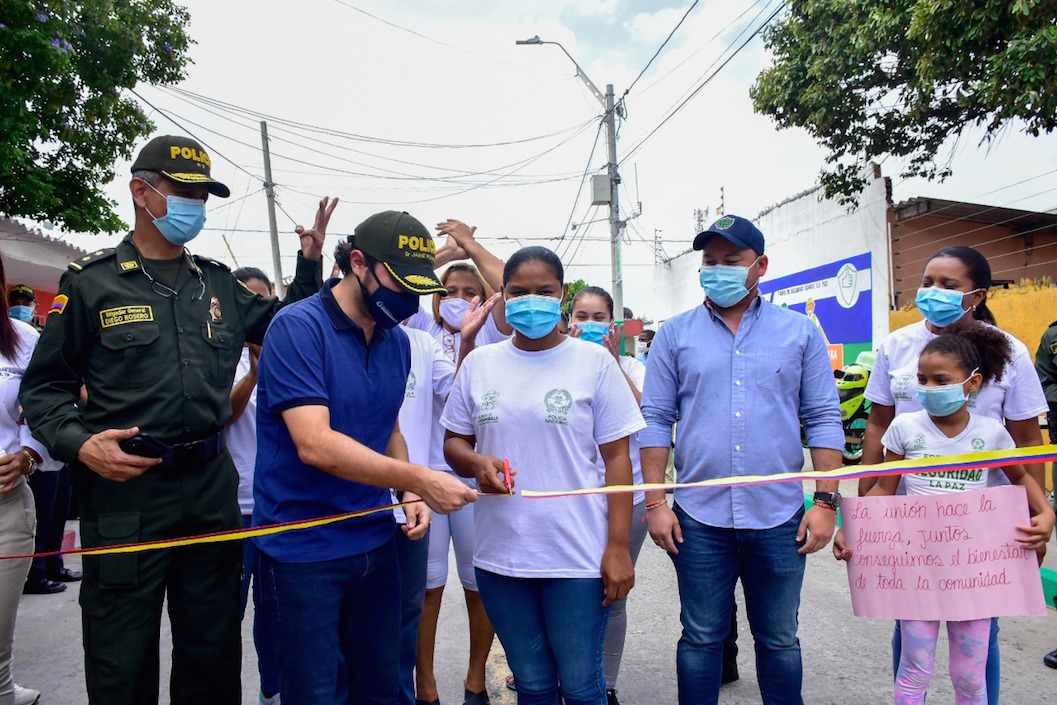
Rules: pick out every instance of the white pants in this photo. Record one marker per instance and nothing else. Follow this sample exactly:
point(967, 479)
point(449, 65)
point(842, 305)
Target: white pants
point(18, 521)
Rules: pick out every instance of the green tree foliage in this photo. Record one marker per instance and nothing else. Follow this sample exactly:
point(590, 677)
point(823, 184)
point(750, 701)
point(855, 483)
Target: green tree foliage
point(898, 77)
point(574, 289)
point(64, 118)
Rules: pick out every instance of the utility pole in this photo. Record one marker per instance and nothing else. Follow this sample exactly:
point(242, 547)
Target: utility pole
point(722, 210)
point(615, 224)
point(656, 246)
point(614, 206)
point(269, 189)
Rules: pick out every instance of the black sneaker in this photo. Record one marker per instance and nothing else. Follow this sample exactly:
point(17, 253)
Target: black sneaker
point(1050, 659)
point(611, 697)
point(730, 672)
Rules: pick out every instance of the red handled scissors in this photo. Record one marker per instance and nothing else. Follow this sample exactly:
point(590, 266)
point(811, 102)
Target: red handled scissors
point(506, 475)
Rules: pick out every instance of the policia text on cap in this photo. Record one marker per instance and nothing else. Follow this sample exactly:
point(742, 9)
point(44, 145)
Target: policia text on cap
point(154, 334)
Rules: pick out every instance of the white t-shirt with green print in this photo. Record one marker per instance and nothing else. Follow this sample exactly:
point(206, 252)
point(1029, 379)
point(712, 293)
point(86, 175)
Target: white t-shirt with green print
point(914, 435)
point(547, 412)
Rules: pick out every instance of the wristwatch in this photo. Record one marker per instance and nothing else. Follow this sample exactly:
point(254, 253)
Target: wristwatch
point(830, 500)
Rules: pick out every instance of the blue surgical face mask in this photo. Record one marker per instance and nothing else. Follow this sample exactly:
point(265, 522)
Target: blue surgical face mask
point(22, 313)
point(724, 284)
point(184, 218)
point(941, 307)
point(593, 331)
point(945, 399)
point(533, 316)
point(388, 307)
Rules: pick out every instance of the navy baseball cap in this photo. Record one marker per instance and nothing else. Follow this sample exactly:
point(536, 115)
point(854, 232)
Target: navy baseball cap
point(739, 231)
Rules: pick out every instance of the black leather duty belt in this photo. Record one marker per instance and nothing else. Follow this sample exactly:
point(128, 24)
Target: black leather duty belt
point(196, 452)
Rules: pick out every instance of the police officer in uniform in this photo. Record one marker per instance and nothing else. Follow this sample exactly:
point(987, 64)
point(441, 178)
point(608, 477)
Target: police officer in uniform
point(154, 333)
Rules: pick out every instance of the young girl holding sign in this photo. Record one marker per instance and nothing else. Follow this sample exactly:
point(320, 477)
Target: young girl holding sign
point(950, 369)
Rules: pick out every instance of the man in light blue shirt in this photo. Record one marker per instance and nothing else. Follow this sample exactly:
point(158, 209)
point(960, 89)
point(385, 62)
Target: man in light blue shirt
point(739, 372)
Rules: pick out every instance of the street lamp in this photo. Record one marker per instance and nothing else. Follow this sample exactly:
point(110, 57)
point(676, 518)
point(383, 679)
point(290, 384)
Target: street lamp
point(610, 120)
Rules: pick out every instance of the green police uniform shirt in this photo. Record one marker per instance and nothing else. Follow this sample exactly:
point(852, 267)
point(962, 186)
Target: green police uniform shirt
point(150, 357)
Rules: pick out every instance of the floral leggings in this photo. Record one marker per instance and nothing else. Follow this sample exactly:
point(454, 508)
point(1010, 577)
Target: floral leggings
point(968, 642)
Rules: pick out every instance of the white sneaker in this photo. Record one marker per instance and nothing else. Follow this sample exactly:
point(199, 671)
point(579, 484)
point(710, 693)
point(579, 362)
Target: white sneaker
point(270, 700)
point(25, 696)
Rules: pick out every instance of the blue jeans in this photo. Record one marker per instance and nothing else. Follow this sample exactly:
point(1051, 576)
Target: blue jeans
point(413, 557)
point(338, 626)
point(552, 630)
point(992, 674)
point(265, 640)
point(709, 563)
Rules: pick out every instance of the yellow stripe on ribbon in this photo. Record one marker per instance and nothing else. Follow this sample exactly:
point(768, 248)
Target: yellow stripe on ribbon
point(985, 459)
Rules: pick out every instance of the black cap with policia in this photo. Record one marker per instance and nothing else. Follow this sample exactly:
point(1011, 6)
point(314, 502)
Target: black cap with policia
point(179, 159)
point(406, 250)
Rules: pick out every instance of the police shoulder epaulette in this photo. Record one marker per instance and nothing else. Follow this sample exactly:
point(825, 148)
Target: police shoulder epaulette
point(206, 260)
point(91, 258)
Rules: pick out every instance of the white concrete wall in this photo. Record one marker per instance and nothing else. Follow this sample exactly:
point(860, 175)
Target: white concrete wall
point(800, 233)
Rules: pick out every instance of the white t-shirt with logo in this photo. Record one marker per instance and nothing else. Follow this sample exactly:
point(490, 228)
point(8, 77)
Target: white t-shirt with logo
point(547, 412)
point(914, 435)
point(894, 380)
point(428, 383)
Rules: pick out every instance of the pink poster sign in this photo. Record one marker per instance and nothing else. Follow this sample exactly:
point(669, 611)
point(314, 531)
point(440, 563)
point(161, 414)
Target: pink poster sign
point(946, 557)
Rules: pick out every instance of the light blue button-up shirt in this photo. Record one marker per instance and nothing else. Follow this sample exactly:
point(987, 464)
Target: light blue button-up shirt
point(738, 398)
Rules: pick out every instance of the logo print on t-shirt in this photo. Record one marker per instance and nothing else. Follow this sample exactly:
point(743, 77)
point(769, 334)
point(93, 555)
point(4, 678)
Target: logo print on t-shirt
point(978, 444)
point(901, 388)
point(409, 390)
point(558, 403)
point(489, 402)
point(919, 442)
point(972, 398)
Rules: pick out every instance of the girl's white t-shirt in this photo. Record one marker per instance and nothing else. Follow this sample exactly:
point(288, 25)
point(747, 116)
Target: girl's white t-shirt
point(546, 412)
point(894, 380)
point(449, 343)
point(428, 382)
point(914, 435)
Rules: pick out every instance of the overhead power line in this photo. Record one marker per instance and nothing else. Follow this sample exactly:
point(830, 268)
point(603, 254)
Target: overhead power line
point(702, 84)
point(661, 47)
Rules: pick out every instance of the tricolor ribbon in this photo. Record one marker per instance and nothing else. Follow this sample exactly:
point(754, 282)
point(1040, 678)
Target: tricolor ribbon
point(986, 459)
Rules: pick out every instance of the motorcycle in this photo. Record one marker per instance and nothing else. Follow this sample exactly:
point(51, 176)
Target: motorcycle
point(851, 383)
point(854, 406)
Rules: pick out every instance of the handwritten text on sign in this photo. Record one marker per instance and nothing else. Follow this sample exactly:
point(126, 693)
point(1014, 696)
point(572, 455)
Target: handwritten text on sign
point(950, 557)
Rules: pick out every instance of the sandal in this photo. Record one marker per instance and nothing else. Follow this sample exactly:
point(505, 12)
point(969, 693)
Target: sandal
point(510, 682)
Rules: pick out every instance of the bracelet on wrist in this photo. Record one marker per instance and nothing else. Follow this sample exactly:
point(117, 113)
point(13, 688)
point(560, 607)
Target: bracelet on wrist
point(32, 467)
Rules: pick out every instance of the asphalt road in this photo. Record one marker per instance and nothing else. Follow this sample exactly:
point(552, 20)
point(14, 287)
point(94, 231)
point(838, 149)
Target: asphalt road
point(846, 659)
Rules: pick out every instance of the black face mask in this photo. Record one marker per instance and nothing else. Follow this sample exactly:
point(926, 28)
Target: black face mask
point(388, 307)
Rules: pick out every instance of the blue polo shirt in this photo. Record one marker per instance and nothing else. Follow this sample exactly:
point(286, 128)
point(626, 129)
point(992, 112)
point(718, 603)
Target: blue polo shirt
point(315, 355)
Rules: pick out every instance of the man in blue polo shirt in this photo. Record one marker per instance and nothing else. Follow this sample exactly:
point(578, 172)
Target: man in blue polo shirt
point(332, 378)
point(738, 371)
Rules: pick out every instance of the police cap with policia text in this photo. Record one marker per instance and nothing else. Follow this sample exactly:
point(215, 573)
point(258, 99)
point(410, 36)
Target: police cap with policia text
point(179, 159)
point(404, 246)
